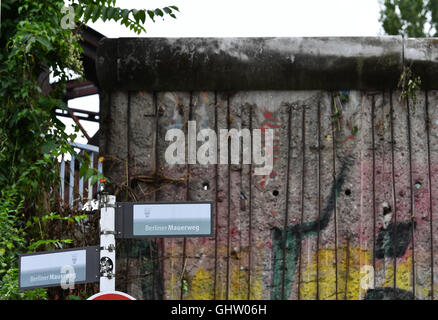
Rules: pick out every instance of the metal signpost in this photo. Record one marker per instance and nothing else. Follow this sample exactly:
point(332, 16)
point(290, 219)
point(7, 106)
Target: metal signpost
point(107, 244)
point(125, 220)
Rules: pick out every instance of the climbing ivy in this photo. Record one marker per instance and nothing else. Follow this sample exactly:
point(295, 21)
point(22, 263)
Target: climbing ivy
point(35, 41)
point(409, 84)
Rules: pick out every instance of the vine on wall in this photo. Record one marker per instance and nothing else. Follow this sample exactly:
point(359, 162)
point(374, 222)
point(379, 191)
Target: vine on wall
point(35, 39)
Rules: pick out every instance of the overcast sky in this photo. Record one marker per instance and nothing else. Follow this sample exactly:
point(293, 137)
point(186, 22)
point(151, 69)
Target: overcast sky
point(252, 18)
point(243, 18)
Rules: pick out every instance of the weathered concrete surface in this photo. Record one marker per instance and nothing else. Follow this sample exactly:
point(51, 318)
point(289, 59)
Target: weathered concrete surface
point(249, 63)
point(127, 144)
point(341, 158)
point(422, 56)
point(263, 63)
point(349, 209)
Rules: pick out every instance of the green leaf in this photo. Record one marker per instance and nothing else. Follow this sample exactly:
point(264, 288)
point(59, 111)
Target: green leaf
point(104, 13)
point(88, 13)
point(158, 12)
point(81, 217)
point(79, 10)
point(110, 12)
point(48, 46)
point(140, 16)
point(151, 15)
point(93, 180)
point(34, 185)
point(83, 170)
point(48, 146)
point(125, 14)
point(96, 13)
point(90, 173)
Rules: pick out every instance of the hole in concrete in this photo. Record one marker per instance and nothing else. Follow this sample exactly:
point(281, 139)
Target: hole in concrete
point(275, 193)
point(205, 186)
point(348, 192)
point(386, 208)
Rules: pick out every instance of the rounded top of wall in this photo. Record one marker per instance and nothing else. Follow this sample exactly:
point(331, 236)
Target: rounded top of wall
point(228, 64)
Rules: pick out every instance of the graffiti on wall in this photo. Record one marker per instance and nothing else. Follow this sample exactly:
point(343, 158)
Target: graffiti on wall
point(270, 122)
point(335, 267)
point(289, 243)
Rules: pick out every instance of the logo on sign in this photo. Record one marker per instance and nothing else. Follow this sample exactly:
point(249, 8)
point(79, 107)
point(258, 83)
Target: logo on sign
point(74, 258)
point(147, 212)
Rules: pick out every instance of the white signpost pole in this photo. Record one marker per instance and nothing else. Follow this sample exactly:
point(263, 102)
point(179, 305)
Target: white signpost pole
point(107, 243)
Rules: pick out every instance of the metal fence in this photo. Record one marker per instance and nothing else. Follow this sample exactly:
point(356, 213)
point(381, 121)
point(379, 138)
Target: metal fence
point(75, 190)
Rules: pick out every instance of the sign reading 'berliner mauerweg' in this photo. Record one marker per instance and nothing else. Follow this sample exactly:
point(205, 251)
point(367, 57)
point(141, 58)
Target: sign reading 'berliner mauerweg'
point(166, 219)
point(63, 268)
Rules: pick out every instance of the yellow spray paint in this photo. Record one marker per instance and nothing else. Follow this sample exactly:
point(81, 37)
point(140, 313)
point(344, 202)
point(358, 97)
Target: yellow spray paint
point(201, 286)
point(327, 276)
point(355, 291)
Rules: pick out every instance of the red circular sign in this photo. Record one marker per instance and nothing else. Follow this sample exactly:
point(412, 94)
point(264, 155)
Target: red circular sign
point(111, 295)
